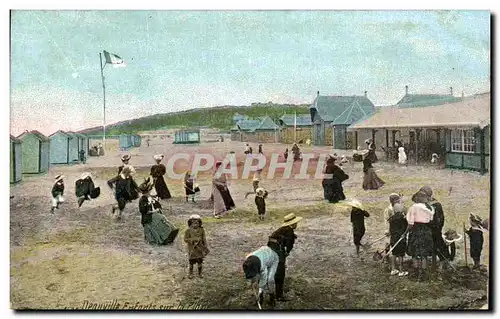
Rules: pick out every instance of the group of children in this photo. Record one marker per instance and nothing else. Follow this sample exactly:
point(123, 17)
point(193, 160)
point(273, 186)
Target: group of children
point(410, 233)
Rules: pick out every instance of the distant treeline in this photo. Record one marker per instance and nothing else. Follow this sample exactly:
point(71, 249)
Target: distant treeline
point(220, 117)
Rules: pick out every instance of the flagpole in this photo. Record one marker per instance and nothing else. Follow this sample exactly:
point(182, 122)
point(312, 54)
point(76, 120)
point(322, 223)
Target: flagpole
point(104, 103)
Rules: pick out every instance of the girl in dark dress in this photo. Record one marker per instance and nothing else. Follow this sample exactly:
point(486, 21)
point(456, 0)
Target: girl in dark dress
point(358, 215)
point(370, 179)
point(189, 186)
point(397, 229)
point(157, 229)
point(475, 233)
point(332, 182)
point(125, 190)
point(157, 172)
point(260, 201)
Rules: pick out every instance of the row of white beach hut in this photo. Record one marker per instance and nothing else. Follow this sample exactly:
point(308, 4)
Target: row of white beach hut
point(33, 153)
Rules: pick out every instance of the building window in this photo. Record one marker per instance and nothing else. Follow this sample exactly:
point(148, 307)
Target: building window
point(463, 141)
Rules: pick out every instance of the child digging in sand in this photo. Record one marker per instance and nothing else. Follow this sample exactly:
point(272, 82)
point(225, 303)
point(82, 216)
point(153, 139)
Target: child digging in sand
point(196, 243)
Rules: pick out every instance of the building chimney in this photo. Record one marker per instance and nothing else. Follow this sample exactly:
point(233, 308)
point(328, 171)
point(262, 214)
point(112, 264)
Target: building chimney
point(451, 91)
point(406, 88)
point(366, 93)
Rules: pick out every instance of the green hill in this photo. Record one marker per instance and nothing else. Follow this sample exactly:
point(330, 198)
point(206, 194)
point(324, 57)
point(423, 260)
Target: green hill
point(220, 117)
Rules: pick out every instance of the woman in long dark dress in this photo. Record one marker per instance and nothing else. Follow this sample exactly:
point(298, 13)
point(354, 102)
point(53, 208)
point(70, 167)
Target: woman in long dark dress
point(332, 182)
point(371, 150)
point(157, 229)
point(157, 172)
point(370, 179)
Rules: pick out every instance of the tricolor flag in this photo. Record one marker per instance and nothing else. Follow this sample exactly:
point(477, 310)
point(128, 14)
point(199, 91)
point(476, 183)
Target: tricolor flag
point(113, 59)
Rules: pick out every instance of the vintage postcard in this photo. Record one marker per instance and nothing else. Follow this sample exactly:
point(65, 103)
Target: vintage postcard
point(250, 160)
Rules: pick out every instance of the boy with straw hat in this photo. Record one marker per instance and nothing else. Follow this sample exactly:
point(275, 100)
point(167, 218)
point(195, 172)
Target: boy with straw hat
point(358, 214)
point(282, 241)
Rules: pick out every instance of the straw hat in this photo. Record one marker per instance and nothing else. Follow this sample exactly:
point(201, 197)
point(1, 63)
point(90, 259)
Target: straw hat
point(59, 178)
point(451, 236)
point(291, 219)
point(158, 157)
point(352, 203)
point(125, 157)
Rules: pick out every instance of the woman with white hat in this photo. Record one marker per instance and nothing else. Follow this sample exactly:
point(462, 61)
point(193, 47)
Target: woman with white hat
point(157, 172)
point(125, 162)
point(282, 241)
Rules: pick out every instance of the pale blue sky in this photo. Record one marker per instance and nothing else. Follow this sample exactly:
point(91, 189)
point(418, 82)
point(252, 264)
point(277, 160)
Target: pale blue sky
point(181, 59)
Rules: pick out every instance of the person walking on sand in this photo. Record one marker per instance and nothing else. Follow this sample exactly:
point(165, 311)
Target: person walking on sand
point(370, 178)
point(157, 172)
point(282, 242)
point(196, 242)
